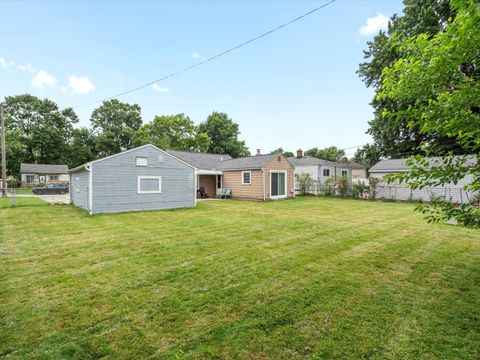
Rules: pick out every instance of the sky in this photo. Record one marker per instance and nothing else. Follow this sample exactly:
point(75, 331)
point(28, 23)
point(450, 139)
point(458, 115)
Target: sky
point(296, 88)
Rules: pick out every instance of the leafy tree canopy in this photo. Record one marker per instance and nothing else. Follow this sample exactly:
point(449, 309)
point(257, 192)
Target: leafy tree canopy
point(114, 123)
point(223, 133)
point(283, 152)
point(37, 131)
point(331, 153)
point(395, 136)
point(440, 76)
point(172, 132)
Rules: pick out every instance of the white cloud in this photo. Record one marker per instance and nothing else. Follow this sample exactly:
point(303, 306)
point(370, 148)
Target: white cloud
point(6, 65)
point(28, 68)
point(43, 79)
point(374, 25)
point(79, 84)
point(158, 88)
point(197, 56)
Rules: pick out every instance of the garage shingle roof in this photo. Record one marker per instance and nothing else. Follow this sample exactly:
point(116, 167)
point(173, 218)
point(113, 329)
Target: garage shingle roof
point(201, 161)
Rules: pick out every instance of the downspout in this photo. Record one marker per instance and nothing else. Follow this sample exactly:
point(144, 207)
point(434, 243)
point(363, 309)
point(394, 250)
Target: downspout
point(263, 180)
point(90, 190)
point(195, 185)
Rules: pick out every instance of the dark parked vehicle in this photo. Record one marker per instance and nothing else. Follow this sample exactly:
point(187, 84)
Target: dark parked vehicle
point(51, 189)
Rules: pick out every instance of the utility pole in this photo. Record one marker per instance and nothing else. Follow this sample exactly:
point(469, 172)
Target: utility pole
point(4, 156)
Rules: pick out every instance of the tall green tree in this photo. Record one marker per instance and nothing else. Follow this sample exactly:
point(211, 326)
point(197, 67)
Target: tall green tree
point(440, 76)
point(223, 133)
point(172, 132)
point(283, 152)
point(114, 123)
point(368, 155)
point(395, 137)
point(37, 131)
point(331, 153)
point(82, 147)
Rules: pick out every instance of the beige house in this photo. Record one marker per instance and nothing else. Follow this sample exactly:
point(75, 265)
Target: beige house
point(35, 174)
point(260, 177)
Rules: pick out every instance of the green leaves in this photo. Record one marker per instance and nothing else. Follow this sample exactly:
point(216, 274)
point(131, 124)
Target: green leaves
point(223, 133)
point(440, 74)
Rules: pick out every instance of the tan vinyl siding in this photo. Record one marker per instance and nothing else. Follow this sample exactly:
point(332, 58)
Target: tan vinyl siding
point(282, 165)
point(233, 180)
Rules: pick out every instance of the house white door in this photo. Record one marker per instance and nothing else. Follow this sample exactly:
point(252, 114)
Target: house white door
point(278, 184)
point(219, 180)
point(42, 179)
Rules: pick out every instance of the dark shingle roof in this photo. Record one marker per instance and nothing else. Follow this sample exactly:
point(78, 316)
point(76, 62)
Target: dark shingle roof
point(249, 162)
point(43, 169)
point(400, 164)
point(200, 160)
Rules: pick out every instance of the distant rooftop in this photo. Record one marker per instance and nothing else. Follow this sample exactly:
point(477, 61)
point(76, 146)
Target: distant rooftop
point(201, 160)
point(43, 169)
point(310, 160)
point(395, 165)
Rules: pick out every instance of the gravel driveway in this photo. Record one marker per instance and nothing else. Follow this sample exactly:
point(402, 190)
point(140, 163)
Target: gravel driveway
point(51, 199)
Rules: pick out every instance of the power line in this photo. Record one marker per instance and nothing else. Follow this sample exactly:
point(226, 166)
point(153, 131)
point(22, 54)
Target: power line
point(225, 52)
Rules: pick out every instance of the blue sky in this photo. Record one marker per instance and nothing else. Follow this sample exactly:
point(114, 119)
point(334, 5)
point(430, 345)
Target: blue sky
point(294, 88)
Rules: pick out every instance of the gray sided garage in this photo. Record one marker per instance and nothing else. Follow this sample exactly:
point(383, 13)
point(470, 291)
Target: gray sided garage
point(144, 178)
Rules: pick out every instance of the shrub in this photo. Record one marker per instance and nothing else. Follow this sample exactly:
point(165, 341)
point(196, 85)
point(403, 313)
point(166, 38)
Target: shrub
point(304, 182)
point(358, 189)
point(373, 187)
point(343, 186)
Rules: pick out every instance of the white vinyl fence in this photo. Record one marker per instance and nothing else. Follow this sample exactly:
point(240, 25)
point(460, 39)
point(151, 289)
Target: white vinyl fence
point(397, 192)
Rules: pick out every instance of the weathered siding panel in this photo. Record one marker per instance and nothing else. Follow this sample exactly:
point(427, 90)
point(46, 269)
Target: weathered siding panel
point(114, 182)
point(79, 189)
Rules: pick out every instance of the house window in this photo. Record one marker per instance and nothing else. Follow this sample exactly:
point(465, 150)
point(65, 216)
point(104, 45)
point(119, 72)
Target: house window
point(54, 177)
point(30, 179)
point(141, 161)
point(76, 183)
point(219, 181)
point(344, 173)
point(149, 184)
point(246, 177)
point(326, 172)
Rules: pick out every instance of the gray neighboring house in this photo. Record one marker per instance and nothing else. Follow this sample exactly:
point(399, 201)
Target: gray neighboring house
point(42, 174)
point(401, 191)
point(144, 178)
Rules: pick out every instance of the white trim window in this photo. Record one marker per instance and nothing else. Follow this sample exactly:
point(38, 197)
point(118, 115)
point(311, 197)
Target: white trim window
point(149, 184)
point(53, 177)
point(76, 183)
point(246, 177)
point(326, 172)
point(141, 161)
point(344, 172)
point(30, 179)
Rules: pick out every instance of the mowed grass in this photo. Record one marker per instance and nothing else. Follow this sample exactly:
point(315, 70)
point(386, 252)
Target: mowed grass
point(20, 201)
point(304, 278)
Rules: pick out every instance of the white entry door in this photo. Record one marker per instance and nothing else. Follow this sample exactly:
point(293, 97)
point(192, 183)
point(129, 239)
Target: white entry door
point(219, 184)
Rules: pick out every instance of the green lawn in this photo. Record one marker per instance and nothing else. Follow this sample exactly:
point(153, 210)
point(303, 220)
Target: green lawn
point(20, 201)
point(23, 191)
point(306, 278)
